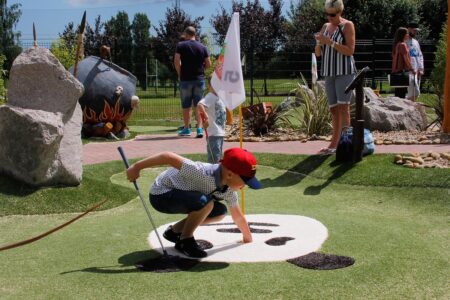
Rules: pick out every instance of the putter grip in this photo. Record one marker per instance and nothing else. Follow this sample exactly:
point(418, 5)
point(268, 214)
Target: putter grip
point(127, 164)
point(124, 157)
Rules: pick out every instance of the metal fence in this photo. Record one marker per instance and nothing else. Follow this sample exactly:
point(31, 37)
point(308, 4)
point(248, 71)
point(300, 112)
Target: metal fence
point(269, 81)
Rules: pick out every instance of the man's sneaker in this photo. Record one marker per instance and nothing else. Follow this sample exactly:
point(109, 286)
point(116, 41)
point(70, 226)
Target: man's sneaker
point(171, 235)
point(182, 126)
point(199, 133)
point(184, 132)
point(190, 248)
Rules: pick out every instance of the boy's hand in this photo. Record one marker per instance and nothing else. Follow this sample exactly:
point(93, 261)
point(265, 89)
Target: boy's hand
point(133, 173)
point(247, 239)
point(205, 121)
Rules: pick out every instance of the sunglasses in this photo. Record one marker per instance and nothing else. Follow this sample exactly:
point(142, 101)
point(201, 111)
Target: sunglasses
point(329, 15)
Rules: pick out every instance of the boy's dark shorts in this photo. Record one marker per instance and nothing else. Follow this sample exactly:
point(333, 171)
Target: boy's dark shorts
point(184, 202)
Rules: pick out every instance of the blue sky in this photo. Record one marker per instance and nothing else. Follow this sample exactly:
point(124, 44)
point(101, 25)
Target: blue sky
point(50, 16)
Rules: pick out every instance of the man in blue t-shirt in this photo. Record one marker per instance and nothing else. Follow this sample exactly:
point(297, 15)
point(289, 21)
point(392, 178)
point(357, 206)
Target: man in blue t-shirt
point(191, 59)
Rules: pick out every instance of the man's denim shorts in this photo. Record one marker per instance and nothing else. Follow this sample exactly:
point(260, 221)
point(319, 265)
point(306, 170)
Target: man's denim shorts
point(191, 92)
point(184, 202)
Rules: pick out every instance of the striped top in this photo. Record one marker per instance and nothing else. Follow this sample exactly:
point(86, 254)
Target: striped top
point(333, 62)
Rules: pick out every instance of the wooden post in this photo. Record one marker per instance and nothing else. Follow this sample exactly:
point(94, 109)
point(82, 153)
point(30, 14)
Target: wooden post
point(446, 121)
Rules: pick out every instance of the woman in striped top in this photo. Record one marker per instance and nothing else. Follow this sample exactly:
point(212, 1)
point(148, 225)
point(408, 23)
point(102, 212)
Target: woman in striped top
point(335, 43)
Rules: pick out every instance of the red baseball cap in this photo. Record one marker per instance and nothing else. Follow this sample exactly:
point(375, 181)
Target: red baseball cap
point(243, 163)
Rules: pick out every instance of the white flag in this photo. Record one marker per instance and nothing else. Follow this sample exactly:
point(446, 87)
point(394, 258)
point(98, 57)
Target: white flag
point(314, 68)
point(227, 79)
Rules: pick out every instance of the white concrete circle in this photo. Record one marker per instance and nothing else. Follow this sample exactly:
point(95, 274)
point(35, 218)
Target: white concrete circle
point(309, 235)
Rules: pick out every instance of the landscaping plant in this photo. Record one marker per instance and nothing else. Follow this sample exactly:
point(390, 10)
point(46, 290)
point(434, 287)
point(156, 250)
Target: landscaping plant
point(437, 77)
point(312, 116)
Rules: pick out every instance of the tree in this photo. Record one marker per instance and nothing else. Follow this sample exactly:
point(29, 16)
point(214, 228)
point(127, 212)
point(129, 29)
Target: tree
point(263, 30)
point(94, 38)
point(433, 13)
point(307, 15)
point(64, 53)
point(140, 29)
point(118, 31)
point(168, 34)
point(2, 83)
point(379, 18)
point(69, 36)
point(9, 17)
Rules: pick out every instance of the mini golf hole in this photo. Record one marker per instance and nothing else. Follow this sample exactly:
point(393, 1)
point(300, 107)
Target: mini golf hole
point(236, 230)
point(166, 264)
point(279, 241)
point(321, 261)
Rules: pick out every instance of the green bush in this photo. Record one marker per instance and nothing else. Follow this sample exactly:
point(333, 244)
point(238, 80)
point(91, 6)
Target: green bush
point(2, 82)
point(64, 53)
point(437, 78)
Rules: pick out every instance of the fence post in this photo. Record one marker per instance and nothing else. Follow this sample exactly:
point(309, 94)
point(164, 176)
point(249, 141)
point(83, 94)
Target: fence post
point(374, 83)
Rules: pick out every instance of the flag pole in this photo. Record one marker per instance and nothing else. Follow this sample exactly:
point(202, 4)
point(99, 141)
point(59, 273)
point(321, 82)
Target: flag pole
point(240, 144)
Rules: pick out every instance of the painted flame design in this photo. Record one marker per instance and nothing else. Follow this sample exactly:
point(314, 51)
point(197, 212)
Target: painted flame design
point(109, 114)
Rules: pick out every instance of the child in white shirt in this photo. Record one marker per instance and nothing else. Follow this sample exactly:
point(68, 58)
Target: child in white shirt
point(214, 117)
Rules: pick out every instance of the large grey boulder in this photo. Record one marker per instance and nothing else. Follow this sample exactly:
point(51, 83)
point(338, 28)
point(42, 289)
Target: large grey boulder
point(30, 143)
point(393, 113)
point(40, 132)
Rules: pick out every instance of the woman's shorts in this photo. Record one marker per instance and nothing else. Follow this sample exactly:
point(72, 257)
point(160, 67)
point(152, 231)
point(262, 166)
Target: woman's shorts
point(335, 89)
point(185, 202)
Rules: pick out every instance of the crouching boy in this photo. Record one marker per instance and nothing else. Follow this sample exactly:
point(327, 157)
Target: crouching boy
point(196, 189)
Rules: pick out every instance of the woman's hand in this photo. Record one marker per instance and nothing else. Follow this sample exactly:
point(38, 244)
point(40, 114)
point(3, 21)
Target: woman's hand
point(324, 40)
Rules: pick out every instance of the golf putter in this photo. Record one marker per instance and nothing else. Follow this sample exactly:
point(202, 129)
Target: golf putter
point(127, 165)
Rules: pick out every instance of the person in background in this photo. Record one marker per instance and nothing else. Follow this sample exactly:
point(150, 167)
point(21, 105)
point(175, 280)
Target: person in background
point(191, 59)
point(335, 44)
point(415, 53)
point(213, 113)
point(401, 60)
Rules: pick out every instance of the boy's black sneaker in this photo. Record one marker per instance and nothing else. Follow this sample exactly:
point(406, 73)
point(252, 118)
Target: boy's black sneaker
point(171, 235)
point(190, 248)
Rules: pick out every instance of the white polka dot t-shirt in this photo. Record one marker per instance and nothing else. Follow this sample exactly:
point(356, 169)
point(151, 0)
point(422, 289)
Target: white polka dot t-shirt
point(194, 176)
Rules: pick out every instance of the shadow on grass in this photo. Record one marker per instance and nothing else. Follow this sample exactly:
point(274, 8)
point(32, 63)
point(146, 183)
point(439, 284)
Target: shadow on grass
point(338, 172)
point(302, 170)
point(13, 187)
point(132, 259)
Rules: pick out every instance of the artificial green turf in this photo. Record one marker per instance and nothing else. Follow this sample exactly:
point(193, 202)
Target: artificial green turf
point(18, 198)
point(398, 236)
point(374, 170)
